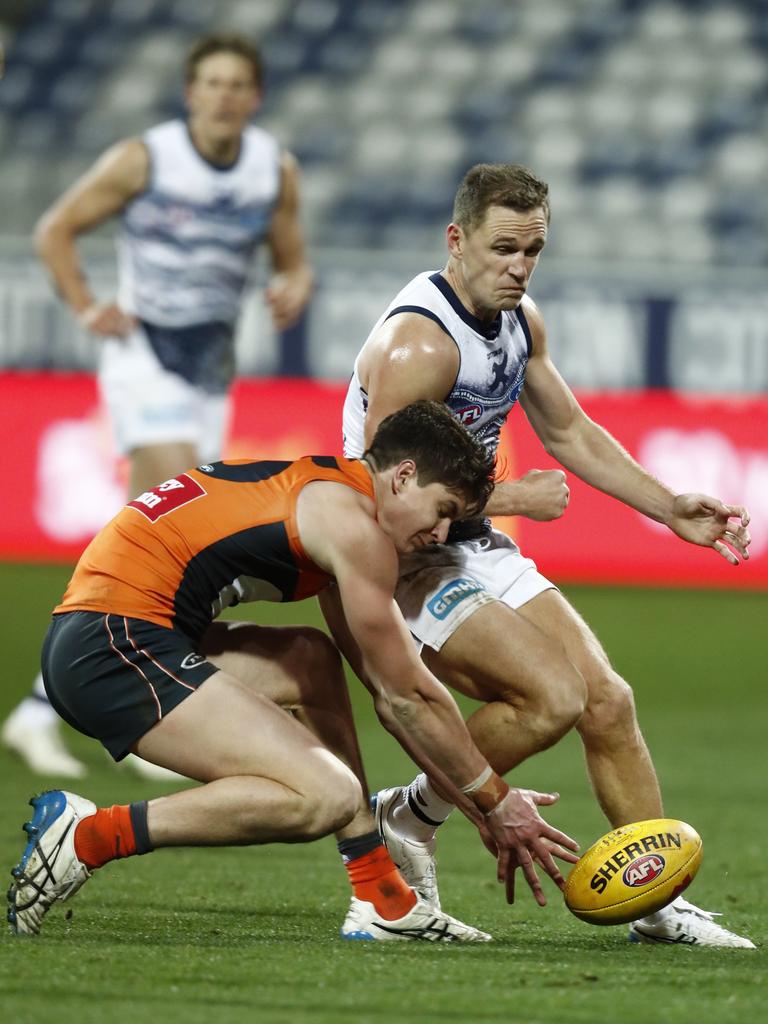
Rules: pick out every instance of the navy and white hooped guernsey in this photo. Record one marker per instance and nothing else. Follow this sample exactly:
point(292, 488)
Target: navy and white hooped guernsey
point(492, 361)
point(188, 240)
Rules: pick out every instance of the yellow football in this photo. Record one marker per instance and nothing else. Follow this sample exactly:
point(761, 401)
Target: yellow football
point(633, 871)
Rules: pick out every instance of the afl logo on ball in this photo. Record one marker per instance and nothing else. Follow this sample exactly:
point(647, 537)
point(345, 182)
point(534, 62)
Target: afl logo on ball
point(643, 870)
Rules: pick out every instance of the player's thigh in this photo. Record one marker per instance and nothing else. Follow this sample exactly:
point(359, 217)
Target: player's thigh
point(151, 464)
point(497, 653)
point(226, 729)
point(553, 615)
point(148, 404)
point(290, 665)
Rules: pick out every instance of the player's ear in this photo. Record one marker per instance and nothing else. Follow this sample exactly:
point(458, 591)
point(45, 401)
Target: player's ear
point(454, 237)
point(404, 472)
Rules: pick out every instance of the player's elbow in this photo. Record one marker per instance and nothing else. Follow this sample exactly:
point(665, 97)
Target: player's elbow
point(406, 709)
point(383, 708)
point(41, 235)
point(396, 711)
point(46, 232)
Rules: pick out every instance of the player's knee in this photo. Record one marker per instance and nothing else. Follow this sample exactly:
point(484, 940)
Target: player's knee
point(333, 805)
point(610, 707)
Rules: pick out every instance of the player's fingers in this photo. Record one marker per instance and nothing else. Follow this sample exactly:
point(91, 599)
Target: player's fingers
point(567, 855)
point(727, 554)
point(742, 534)
point(555, 836)
point(544, 858)
point(738, 512)
point(739, 540)
point(502, 864)
point(543, 798)
point(533, 880)
point(510, 883)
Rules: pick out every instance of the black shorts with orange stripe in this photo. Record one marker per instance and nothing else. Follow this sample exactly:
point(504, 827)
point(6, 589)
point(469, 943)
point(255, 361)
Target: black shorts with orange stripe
point(113, 677)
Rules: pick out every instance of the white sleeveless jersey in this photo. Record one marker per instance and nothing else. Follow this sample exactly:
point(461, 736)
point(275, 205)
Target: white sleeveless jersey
point(492, 361)
point(188, 240)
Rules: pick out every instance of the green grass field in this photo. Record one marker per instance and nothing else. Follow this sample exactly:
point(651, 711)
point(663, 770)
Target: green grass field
point(251, 934)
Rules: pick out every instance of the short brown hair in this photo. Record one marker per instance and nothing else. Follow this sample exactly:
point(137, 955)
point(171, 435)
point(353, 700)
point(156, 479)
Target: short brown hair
point(443, 450)
point(486, 185)
point(224, 43)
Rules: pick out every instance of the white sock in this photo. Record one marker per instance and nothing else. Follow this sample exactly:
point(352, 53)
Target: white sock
point(38, 688)
point(35, 711)
point(420, 811)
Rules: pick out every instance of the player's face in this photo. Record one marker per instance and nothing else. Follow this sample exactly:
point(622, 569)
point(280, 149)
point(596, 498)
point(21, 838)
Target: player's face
point(496, 259)
point(420, 516)
point(223, 95)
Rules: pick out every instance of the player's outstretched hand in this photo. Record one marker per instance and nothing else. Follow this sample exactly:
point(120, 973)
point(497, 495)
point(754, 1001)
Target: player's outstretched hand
point(107, 320)
point(711, 523)
point(523, 839)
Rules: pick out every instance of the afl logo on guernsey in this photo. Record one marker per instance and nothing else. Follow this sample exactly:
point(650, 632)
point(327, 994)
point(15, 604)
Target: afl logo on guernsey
point(643, 870)
point(468, 414)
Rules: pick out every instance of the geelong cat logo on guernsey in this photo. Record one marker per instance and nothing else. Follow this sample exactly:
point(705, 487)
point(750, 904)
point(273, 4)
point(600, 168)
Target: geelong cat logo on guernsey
point(643, 870)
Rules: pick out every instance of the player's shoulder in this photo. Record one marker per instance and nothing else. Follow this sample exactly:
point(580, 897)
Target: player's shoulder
point(171, 132)
point(532, 322)
point(259, 143)
point(125, 165)
point(337, 525)
point(415, 315)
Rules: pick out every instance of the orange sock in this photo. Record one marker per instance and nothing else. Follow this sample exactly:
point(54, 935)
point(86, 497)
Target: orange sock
point(105, 835)
point(375, 879)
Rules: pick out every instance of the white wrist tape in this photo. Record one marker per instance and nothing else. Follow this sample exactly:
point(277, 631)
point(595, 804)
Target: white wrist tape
point(481, 780)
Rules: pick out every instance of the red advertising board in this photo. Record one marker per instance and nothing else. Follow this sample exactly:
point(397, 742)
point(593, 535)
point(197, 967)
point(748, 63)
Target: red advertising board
point(62, 480)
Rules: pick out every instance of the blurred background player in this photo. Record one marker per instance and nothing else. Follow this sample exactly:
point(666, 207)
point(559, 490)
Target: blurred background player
point(196, 199)
point(126, 661)
point(489, 623)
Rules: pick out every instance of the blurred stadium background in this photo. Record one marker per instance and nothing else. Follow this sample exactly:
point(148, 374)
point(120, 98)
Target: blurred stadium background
point(647, 117)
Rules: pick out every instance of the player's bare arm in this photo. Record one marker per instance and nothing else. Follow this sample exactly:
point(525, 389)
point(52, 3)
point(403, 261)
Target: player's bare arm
point(101, 193)
point(291, 284)
point(411, 702)
point(409, 358)
point(594, 455)
point(340, 533)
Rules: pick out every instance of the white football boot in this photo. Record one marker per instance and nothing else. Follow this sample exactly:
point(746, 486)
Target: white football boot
point(422, 923)
point(681, 923)
point(37, 741)
point(414, 858)
point(49, 869)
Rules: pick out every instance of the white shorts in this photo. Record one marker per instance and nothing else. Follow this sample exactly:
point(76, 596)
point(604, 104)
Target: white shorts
point(439, 588)
point(150, 405)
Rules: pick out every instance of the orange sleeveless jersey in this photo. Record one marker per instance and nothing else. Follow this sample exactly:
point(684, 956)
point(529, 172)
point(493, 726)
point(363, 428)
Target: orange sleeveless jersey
point(210, 538)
